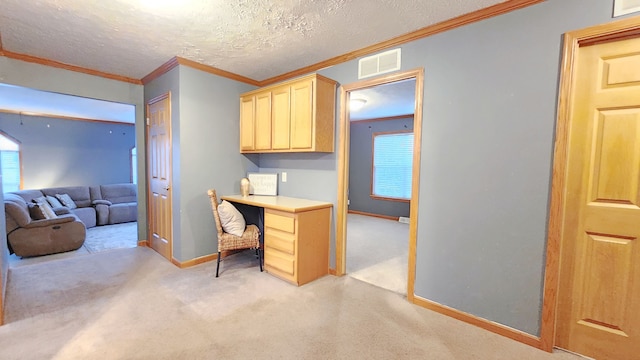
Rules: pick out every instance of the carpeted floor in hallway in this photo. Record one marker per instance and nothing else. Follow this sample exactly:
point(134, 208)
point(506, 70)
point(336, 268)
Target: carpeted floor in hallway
point(133, 304)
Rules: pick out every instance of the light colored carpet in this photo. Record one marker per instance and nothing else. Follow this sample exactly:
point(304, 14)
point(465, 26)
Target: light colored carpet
point(133, 304)
point(378, 251)
point(117, 236)
point(99, 238)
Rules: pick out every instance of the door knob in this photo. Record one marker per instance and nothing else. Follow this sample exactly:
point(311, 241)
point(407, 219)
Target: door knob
point(166, 187)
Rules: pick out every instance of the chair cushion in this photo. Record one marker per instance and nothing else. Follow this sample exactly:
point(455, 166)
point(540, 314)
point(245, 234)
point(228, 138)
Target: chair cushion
point(231, 219)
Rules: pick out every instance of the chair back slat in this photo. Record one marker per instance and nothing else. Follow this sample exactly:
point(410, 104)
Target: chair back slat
point(214, 206)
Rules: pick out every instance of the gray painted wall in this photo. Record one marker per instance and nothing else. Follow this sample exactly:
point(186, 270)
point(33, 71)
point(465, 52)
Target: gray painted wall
point(209, 152)
point(487, 139)
point(360, 167)
point(70, 152)
point(205, 135)
point(62, 81)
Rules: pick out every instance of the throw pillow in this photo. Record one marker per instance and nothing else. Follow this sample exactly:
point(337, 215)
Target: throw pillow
point(41, 211)
point(54, 202)
point(39, 200)
point(66, 200)
point(36, 211)
point(231, 219)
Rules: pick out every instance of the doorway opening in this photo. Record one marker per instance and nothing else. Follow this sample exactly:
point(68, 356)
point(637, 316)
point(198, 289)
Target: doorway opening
point(102, 133)
point(356, 91)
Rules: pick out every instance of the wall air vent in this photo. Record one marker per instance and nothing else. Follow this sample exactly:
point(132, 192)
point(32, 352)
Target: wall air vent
point(379, 63)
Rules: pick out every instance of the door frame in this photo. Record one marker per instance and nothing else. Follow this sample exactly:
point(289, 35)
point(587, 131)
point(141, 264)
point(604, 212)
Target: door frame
point(343, 169)
point(163, 96)
point(617, 30)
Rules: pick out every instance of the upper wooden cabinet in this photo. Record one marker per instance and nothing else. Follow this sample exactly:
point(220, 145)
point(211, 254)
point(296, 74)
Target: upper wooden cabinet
point(294, 116)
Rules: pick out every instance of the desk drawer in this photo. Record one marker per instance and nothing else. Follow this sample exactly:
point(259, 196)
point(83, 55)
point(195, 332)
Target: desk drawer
point(279, 261)
point(280, 241)
point(279, 222)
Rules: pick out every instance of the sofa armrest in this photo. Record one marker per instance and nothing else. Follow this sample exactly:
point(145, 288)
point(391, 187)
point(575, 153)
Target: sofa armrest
point(102, 202)
point(61, 210)
point(48, 222)
point(102, 213)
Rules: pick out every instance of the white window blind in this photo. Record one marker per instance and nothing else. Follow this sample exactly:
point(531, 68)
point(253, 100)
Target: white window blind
point(134, 161)
point(10, 170)
point(392, 165)
point(10, 161)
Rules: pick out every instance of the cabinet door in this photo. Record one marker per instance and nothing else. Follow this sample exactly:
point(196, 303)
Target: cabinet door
point(263, 121)
point(281, 117)
point(302, 115)
point(247, 123)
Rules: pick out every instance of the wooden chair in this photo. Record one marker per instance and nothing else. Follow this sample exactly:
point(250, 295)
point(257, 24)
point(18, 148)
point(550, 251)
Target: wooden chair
point(250, 239)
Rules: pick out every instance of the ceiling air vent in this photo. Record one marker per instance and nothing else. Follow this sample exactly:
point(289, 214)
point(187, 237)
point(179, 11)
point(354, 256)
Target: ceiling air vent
point(379, 64)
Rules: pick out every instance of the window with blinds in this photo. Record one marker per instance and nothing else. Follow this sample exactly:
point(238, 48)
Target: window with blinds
point(133, 156)
point(392, 165)
point(10, 163)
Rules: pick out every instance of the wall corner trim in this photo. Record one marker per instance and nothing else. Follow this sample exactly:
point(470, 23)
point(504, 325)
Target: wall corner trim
point(193, 262)
point(176, 60)
point(485, 324)
point(161, 70)
point(61, 65)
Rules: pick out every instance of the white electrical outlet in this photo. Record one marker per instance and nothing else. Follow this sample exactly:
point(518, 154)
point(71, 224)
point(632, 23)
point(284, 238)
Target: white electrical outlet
point(284, 177)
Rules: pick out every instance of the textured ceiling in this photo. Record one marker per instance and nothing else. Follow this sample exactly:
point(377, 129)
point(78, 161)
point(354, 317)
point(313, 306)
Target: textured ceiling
point(258, 39)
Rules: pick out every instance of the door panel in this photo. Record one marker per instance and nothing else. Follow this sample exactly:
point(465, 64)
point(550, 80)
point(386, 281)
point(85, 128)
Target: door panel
point(263, 121)
point(599, 295)
point(617, 152)
point(159, 155)
point(281, 118)
point(247, 123)
point(302, 115)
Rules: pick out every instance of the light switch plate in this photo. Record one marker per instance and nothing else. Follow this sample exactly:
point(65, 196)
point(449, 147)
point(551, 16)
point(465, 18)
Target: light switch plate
point(284, 177)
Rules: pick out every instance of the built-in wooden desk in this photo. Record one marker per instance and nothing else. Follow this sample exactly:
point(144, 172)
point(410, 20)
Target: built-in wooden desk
point(296, 236)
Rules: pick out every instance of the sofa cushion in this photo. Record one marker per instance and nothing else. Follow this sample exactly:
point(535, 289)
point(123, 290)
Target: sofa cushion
point(87, 215)
point(54, 202)
point(119, 193)
point(66, 200)
point(80, 194)
point(123, 212)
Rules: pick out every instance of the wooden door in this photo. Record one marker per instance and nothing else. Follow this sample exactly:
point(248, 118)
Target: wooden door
point(302, 115)
point(247, 123)
point(281, 117)
point(599, 295)
point(263, 121)
point(159, 169)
